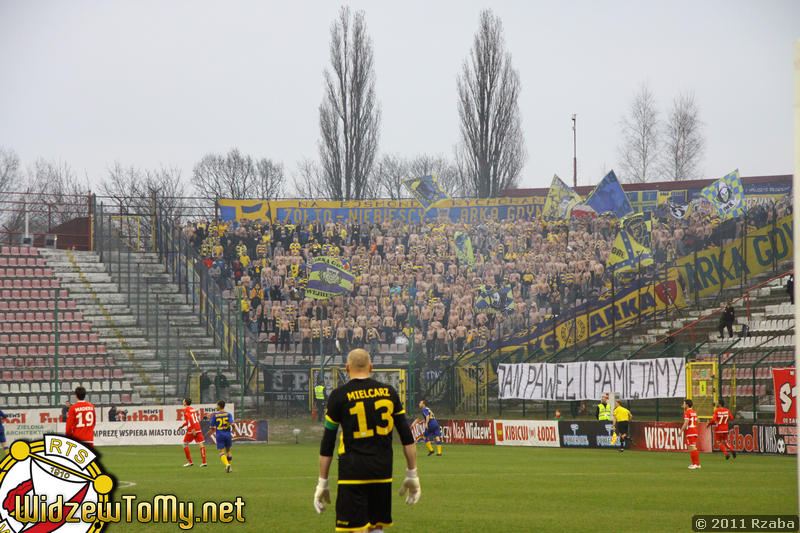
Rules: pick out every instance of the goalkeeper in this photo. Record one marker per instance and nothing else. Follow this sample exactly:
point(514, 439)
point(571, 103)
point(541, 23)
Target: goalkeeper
point(367, 411)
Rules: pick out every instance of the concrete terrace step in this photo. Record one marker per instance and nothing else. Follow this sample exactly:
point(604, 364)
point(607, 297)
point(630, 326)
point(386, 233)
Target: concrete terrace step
point(98, 287)
point(117, 331)
point(120, 320)
point(92, 298)
point(113, 310)
point(62, 256)
point(86, 268)
point(126, 342)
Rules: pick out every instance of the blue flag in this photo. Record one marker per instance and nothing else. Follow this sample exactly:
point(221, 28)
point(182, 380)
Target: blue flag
point(608, 196)
point(426, 190)
point(726, 195)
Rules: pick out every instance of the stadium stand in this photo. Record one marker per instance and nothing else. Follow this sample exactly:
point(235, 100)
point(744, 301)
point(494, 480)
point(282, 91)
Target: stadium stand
point(40, 320)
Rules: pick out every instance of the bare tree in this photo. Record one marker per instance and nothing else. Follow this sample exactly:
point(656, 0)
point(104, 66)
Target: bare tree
point(390, 172)
point(51, 195)
point(131, 190)
point(491, 153)
point(235, 175)
point(308, 181)
point(684, 142)
point(10, 174)
point(639, 149)
point(349, 115)
point(10, 184)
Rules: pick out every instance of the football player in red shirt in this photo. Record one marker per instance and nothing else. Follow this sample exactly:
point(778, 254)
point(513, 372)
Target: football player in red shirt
point(81, 418)
point(191, 420)
point(689, 429)
point(720, 420)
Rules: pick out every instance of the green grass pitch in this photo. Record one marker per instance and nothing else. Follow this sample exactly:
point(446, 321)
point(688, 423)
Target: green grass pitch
point(472, 488)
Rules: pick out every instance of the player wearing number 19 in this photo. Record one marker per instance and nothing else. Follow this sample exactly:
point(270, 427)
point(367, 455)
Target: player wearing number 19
point(81, 418)
point(367, 412)
point(689, 429)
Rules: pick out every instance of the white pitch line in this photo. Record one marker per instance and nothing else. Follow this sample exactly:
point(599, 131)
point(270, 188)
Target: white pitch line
point(127, 484)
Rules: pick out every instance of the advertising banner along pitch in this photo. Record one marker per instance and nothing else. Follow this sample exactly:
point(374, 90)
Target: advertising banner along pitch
point(526, 433)
point(586, 434)
point(784, 380)
point(588, 380)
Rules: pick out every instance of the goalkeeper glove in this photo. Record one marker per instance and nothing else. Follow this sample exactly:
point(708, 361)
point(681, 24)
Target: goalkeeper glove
point(411, 484)
point(322, 495)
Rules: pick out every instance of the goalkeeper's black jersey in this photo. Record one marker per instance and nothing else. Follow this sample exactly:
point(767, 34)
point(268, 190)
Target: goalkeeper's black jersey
point(367, 411)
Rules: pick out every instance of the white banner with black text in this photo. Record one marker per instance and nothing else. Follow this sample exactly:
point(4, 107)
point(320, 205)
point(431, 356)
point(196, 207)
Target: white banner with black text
point(589, 380)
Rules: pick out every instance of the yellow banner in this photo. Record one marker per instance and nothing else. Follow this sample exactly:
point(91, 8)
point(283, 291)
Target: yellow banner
point(720, 267)
point(628, 307)
point(465, 210)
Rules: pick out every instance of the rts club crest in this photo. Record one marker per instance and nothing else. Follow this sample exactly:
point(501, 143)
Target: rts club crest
point(51, 485)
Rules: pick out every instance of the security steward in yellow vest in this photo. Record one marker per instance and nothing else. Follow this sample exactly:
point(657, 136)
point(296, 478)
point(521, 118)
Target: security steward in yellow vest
point(319, 400)
point(603, 410)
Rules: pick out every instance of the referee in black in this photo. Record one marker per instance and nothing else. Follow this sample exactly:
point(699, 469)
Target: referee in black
point(367, 412)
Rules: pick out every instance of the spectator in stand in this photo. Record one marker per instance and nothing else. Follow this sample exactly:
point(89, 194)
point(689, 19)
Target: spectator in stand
point(220, 384)
point(112, 414)
point(205, 384)
point(790, 288)
point(726, 320)
point(65, 411)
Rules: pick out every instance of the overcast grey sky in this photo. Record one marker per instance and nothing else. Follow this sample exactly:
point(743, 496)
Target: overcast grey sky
point(161, 83)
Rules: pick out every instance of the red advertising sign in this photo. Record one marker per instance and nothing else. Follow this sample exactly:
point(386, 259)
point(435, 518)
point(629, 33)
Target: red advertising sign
point(417, 429)
point(467, 431)
point(667, 437)
point(785, 397)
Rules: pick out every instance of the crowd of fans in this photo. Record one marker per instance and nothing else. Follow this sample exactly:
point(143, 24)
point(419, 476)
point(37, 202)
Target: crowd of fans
point(408, 280)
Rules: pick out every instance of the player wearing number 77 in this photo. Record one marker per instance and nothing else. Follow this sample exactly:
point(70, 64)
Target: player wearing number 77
point(722, 417)
point(367, 412)
point(81, 419)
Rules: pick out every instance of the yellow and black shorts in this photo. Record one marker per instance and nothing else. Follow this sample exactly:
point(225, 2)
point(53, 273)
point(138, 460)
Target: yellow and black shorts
point(363, 504)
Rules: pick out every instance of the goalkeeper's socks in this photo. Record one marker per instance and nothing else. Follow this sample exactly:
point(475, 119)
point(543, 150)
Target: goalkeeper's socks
point(224, 459)
point(203, 454)
point(439, 449)
point(188, 455)
point(430, 446)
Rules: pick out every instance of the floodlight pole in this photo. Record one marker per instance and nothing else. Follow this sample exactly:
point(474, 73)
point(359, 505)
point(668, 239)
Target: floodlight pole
point(574, 151)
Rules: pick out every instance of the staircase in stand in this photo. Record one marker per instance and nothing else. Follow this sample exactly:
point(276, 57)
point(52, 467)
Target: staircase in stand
point(155, 362)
